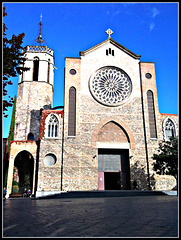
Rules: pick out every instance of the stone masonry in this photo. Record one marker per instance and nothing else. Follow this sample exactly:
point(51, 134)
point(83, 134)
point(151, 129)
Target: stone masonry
point(65, 162)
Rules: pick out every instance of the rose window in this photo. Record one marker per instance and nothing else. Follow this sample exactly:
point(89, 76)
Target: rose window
point(110, 86)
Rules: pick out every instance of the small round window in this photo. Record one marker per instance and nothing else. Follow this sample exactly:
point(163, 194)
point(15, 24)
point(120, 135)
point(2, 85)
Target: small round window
point(72, 71)
point(148, 75)
point(50, 160)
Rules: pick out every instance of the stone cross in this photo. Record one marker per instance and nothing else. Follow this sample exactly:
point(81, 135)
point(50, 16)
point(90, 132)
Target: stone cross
point(109, 32)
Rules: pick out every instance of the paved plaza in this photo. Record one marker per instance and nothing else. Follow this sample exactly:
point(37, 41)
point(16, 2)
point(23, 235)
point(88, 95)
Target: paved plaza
point(135, 216)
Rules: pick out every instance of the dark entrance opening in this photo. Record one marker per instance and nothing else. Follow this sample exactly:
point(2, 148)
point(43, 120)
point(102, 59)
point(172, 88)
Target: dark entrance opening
point(23, 172)
point(112, 181)
point(114, 169)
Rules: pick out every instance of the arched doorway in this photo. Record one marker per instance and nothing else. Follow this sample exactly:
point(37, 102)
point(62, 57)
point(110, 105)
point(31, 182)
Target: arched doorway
point(23, 172)
point(113, 157)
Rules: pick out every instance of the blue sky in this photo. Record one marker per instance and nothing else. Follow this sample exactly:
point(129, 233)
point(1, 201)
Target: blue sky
point(147, 29)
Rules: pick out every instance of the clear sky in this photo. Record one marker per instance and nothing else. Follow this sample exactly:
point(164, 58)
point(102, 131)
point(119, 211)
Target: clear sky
point(147, 29)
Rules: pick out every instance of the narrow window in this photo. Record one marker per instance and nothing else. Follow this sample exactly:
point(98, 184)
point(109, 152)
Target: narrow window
point(35, 68)
point(31, 136)
point(107, 52)
point(112, 52)
point(48, 73)
point(151, 114)
point(55, 130)
point(72, 112)
point(41, 110)
point(49, 130)
point(53, 134)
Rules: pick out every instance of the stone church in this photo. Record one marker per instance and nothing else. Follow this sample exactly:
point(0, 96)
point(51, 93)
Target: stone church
point(104, 136)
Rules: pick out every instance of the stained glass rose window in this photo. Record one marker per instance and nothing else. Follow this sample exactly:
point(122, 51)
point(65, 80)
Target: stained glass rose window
point(110, 86)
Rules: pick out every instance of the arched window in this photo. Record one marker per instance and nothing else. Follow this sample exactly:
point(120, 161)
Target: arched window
point(151, 114)
point(35, 68)
point(48, 73)
point(31, 136)
point(72, 112)
point(169, 129)
point(52, 126)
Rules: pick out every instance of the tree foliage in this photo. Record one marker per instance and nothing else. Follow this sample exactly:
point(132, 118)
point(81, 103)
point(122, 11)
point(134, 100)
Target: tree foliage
point(13, 62)
point(167, 158)
point(11, 131)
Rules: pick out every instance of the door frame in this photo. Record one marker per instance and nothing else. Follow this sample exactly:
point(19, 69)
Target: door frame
point(124, 176)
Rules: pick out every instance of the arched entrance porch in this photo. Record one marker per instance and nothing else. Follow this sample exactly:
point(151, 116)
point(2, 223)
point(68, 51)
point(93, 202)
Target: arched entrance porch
point(113, 140)
point(22, 166)
point(23, 172)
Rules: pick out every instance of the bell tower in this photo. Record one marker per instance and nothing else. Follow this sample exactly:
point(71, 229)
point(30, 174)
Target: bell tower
point(35, 89)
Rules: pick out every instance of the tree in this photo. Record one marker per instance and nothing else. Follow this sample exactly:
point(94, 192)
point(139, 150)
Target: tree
point(13, 62)
point(11, 131)
point(167, 158)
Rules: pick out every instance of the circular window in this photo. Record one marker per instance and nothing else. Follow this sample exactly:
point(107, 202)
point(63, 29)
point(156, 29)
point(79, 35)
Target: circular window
point(50, 160)
point(72, 71)
point(148, 75)
point(110, 86)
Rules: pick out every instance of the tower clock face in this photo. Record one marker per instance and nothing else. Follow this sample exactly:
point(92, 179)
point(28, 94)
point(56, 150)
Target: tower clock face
point(110, 86)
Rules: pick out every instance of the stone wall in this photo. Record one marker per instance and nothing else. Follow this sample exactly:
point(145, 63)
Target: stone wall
point(94, 120)
point(32, 96)
point(49, 177)
point(80, 165)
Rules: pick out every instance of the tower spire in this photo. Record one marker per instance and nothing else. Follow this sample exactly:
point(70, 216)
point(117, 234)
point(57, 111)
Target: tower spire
point(39, 39)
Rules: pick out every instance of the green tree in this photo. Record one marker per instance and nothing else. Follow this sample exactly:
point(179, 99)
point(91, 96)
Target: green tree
point(166, 161)
point(12, 60)
point(11, 131)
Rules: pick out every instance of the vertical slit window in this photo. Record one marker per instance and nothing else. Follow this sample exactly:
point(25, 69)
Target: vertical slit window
point(72, 112)
point(106, 51)
point(52, 130)
point(35, 68)
point(49, 130)
point(48, 73)
point(151, 114)
point(55, 130)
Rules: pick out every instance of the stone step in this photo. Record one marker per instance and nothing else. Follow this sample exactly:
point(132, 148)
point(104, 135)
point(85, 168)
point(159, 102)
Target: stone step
point(108, 193)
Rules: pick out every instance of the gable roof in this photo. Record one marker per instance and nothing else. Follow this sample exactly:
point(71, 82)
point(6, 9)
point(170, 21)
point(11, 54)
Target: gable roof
point(110, 40)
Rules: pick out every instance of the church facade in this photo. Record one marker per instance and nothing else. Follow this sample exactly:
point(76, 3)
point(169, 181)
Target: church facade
point(104, 136)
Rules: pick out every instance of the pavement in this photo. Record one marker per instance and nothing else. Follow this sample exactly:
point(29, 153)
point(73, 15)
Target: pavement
point(128, 216)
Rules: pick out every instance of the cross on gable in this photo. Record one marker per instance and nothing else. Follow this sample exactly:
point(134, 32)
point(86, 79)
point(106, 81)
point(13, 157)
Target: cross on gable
point(109, 32)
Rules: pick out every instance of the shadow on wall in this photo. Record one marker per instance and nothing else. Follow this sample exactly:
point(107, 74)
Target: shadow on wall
point(139, 177)
point(35, 120)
